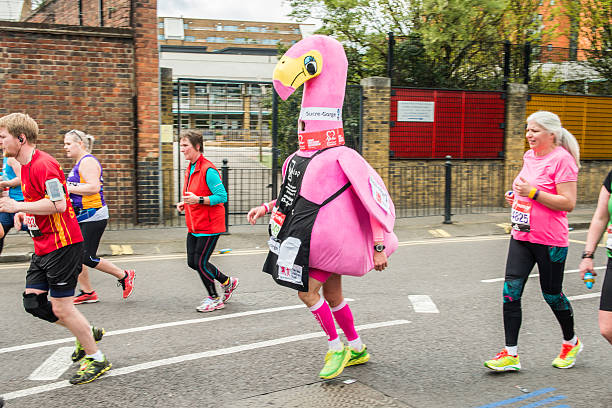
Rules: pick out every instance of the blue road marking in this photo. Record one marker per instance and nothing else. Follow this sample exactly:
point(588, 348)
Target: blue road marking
point(544, 401)
point(517, 399)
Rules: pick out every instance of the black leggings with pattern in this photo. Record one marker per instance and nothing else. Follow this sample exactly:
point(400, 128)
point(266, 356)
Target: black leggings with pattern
point(522, 256)
point(199, 250)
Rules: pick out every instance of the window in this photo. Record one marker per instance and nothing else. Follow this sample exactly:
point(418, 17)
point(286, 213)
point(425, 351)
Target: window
point(201, 94)
point(189, 38)
point(230, 28)
point(215, 39)
point(268, 41)
point(240, 41)
point(160, 37)
point(253, 29)
point(186, 26)
point(201, 122)
point(184, 121)
point(160, 24)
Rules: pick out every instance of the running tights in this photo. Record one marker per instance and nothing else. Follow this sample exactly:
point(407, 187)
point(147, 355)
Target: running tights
point(522, 256)
point(199, 250)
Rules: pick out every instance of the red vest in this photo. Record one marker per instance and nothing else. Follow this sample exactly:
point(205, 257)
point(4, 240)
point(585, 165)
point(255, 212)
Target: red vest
point(202, 218)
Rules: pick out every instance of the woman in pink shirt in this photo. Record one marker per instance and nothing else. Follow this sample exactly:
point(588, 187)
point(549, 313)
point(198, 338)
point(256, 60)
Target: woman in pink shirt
point(542, 194)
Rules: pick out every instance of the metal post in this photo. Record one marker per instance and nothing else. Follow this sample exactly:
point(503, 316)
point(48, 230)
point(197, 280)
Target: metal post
point(178, 141)
point(101, 7)
point(527, 62)
point(225, 181)
point(507, 51)
point(80, 5)
point(391, 46)
point(274, 144)
point(447, 191)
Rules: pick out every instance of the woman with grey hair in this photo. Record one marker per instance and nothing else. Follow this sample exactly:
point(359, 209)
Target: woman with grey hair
point(542, 194)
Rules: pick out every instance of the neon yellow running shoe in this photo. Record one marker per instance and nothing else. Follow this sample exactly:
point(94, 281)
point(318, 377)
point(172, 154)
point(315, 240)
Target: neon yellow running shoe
point(567, 357)
point(79, 351)
point(358, 357)
point(504, 362)
point(335, 361)
point(89, 370)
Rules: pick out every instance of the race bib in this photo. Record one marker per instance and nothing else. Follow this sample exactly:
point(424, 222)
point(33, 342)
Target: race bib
point(33, 229)
point(520, 217)
point(380, 195)
point(276, 221)
point(292, 275)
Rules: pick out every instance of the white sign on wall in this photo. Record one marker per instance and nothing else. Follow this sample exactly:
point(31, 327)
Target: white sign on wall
point(415, 111)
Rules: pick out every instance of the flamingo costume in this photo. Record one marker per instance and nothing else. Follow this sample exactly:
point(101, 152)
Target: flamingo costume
point(341, 240)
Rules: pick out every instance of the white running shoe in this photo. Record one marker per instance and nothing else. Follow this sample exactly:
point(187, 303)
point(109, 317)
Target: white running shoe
point(210, 304)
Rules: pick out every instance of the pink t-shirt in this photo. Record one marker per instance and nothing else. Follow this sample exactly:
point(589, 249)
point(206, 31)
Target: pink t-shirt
point(548, 227)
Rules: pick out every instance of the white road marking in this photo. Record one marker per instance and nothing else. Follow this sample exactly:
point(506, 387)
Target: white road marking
point(533, 275)
point(423, 304)
point(158, 326)
point(195, 356)
point(439, 233)
point(54, 366)
point(586, 296)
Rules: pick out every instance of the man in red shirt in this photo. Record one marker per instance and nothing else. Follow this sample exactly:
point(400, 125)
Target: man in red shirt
point(58, 244)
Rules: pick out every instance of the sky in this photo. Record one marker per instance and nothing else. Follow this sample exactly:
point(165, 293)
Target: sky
point(250, 10)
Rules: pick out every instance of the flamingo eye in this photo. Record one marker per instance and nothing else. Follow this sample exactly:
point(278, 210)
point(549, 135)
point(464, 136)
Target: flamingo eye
point(310, 64)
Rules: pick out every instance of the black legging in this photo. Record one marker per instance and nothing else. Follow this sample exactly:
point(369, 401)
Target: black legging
point(92, 233)
point(522, 256)
point(199, 250)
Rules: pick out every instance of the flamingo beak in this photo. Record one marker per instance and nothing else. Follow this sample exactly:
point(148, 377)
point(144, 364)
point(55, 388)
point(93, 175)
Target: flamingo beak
point(290, 73)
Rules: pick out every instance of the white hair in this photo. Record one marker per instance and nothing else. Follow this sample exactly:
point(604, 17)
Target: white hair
point(552, 123)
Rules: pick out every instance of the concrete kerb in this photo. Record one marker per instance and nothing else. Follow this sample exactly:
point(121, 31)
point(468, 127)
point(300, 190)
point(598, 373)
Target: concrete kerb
point(155, 241)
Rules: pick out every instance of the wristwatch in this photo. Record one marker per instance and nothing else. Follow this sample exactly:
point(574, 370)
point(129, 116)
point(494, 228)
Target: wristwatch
point(587, 254)
point(379, 247)
point(201, 200)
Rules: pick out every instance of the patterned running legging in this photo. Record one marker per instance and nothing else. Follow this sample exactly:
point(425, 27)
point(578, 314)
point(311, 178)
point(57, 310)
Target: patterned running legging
point(199, 250)
point(522, 256)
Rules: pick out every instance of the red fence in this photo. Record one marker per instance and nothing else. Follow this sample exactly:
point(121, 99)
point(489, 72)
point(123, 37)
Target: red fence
point(427, 124)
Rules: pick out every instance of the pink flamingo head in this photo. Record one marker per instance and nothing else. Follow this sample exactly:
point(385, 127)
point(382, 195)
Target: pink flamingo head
point(318, 62)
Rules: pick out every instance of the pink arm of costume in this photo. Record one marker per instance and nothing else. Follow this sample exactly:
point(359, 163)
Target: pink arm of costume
point(377, 230)
point(359, 171)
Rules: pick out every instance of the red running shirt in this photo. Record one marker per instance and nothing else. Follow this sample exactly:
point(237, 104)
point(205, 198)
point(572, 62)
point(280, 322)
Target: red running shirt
point(52, 231)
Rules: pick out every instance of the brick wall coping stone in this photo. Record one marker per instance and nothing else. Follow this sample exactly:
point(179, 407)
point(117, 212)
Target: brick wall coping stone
point(62, 29)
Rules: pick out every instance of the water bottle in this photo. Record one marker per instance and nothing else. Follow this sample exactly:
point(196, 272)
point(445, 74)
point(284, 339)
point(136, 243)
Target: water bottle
point(589, 280)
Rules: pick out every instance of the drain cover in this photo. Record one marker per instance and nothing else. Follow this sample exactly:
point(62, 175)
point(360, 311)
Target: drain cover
point(334, 393)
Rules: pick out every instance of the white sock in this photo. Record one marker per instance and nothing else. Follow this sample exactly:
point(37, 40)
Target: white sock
point(512, 350)
point(98, 356)
point(335, 344)
point(356, 344)
point(571, 342)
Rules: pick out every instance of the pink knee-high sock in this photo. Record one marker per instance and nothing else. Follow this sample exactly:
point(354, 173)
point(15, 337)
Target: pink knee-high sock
point(344, 317)
point(322, 313)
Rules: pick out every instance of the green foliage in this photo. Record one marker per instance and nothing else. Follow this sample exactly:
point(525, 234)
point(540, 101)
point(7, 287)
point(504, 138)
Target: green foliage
point(440, 43)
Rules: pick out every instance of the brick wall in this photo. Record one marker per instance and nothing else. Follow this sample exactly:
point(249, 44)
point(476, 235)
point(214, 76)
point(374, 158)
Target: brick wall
point(115, 13)
point(75, 77)
point(141, 17)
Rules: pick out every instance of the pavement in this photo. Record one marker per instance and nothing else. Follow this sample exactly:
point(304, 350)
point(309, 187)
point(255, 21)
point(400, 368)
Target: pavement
point(18, 246)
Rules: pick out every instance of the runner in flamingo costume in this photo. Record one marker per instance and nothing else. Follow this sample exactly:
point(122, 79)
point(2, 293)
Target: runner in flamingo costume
point(333, 215)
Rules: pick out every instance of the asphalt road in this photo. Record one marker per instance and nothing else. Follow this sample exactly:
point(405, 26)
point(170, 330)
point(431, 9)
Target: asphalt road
point(265, 349)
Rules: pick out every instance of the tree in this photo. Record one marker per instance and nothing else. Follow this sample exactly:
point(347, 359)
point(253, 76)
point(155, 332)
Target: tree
point(443, 43)
point(593, 18)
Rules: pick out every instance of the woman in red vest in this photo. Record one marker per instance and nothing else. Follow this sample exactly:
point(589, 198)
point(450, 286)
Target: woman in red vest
point(203, 198)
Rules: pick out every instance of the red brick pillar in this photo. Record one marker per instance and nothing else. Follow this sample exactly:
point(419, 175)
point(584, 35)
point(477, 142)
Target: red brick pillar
point(147, 111)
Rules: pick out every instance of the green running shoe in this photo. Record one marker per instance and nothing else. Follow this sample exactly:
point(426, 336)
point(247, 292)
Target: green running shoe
point(89, 370)
point(358, 357)
point(504, 362)
point(79, 351)
point(567, 357)
point(335, 361)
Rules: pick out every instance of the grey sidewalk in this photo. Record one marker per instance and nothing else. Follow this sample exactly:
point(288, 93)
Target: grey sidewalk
point(150, 241)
